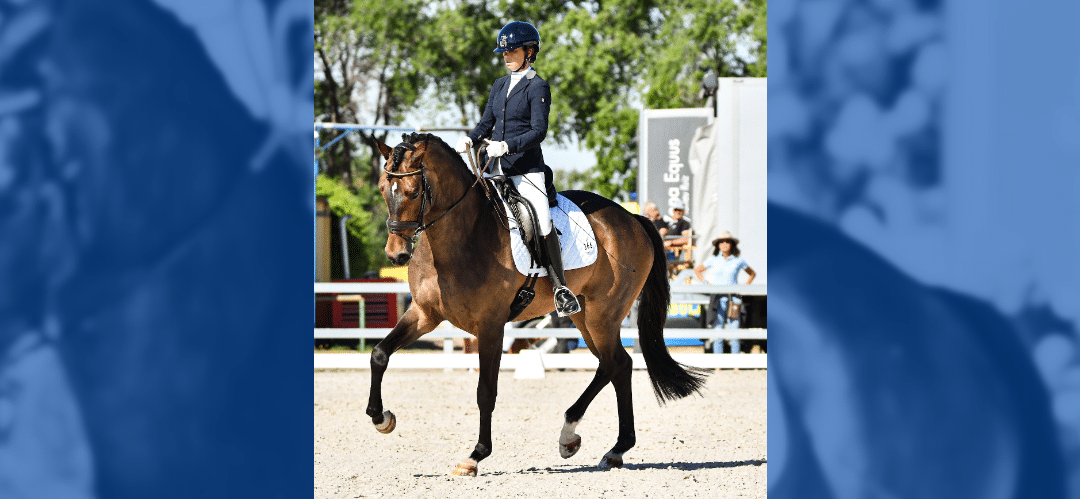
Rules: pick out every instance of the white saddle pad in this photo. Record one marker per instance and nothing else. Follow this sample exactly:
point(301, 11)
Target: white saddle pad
point(576, 239)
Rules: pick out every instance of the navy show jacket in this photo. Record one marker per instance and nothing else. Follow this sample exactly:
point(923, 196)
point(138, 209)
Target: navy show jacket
point(520, 120)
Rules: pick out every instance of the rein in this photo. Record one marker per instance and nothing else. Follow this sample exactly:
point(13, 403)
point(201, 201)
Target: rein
point(493, 199)
point(397, 227)
point(473, 161)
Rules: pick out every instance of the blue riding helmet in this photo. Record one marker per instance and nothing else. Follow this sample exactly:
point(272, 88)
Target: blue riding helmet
point(518, 34)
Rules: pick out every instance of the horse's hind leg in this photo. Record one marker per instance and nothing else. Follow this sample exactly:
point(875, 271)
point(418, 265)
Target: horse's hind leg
point(411, 326)
point(569, 441)
point(615, 369)
point(624, 398)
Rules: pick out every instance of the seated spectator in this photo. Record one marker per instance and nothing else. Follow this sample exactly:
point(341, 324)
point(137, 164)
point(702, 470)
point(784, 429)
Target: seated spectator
point(653, 214)
point(678, 226)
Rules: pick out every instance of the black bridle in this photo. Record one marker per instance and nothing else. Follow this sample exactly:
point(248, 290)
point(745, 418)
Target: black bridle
point(396, 227)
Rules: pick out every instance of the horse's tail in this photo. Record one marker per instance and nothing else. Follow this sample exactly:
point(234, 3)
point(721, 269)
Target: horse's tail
point(671, 380)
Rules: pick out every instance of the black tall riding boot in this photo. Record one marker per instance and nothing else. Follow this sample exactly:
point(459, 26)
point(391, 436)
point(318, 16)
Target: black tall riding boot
point(565, 301)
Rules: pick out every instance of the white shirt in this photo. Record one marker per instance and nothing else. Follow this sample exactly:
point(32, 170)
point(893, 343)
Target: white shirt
point(516, 76)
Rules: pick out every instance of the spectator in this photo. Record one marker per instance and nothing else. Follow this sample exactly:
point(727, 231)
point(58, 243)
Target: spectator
point(722, 268)
point(678, 226)
point(653, 214)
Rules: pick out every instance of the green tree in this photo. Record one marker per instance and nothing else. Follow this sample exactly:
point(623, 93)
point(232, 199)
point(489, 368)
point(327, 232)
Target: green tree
point(362, 48)
point(566, 180)
point(338, 76)
point(365, 242)
point(701, 35)
point(595, 62)
point(759, 35)
point(461, 62)
point(366, 71)
point(605, 60)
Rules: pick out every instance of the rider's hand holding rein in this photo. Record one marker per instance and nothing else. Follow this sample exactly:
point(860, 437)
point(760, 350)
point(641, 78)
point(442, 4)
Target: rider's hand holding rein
point(497, 149)
point(463, 144)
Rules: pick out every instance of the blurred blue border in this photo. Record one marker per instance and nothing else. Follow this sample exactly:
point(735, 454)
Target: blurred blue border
point(156, 206)
point(922, 187)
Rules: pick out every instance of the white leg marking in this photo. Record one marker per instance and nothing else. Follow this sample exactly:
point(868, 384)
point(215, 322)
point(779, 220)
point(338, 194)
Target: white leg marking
point(569, 442)
point(568, 434)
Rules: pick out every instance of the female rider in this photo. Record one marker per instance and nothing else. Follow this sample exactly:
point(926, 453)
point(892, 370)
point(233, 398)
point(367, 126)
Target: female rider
point(515, 121)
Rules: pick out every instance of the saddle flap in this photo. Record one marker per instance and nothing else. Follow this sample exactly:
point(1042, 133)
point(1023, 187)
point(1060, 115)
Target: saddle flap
point(523, 218)
point(576, 238)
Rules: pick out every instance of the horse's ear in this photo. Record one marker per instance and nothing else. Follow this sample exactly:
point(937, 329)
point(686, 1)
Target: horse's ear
point(384, 149)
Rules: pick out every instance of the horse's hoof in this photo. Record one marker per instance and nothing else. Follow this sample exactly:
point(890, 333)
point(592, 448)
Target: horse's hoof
point(610, 461)
point(567, 450)
point(466, 468)
point(388, 424)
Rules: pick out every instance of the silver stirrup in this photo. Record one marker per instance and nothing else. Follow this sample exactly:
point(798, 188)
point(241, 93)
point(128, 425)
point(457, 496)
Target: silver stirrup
point(571, 307)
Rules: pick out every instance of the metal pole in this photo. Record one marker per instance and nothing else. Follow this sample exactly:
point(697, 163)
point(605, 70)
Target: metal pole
point(345, 245)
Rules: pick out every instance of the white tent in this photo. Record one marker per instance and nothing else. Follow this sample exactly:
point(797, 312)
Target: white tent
point(729, 164)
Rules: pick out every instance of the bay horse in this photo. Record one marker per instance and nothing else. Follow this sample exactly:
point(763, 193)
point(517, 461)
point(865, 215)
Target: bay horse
point(461, 270)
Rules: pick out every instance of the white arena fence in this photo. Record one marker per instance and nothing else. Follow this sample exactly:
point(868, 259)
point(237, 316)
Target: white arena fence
point(448, 359)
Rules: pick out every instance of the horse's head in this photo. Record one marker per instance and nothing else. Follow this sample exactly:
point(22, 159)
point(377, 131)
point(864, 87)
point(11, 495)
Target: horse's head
point(404, 186)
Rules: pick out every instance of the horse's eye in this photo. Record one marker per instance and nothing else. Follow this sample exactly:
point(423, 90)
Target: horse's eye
point(414, 195)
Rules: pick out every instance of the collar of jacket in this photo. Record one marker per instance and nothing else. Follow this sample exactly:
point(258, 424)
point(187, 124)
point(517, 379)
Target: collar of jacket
point(529, 75)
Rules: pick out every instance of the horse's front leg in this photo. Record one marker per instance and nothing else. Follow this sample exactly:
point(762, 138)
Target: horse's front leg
point(490, 340)
point(413, 324)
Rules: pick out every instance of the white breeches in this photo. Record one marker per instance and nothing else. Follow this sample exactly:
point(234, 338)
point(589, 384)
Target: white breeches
point(531, 187)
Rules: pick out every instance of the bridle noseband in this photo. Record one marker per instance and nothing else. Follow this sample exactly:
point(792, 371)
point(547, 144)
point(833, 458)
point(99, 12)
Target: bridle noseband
point(396, 227)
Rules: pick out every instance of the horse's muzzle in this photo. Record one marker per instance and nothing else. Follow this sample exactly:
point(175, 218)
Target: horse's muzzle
point(399, 247)
point(401, 258)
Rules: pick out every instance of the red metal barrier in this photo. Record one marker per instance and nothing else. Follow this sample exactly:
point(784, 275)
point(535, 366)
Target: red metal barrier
point(380, 309)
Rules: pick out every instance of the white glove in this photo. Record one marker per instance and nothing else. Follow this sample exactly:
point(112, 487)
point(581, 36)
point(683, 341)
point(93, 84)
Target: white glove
point(496, 149)
point(463, 144)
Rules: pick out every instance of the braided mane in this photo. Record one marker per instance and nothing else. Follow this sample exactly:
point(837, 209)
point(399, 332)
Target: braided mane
point(407, 141)
point(406, 144)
